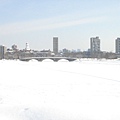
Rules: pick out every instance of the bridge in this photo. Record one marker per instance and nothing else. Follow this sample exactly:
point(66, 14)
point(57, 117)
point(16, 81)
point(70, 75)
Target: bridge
point(43, 58)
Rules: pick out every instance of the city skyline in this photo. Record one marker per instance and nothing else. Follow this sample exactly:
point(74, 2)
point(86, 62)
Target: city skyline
point(94, 45)
point(74, 22)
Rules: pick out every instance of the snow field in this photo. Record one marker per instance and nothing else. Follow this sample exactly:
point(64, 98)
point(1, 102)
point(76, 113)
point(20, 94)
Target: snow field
point(82, 90)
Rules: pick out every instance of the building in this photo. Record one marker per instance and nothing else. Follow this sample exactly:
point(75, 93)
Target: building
point(27, 48)
point(95, 44)
point(55, 45)
point(14, 47)
point(117, 45)
point(3, 50)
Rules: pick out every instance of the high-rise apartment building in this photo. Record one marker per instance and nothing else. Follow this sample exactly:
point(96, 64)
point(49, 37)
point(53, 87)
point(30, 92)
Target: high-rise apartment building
point(117, 45)
point(55, 45)
point(3, 50)
point(95, 44)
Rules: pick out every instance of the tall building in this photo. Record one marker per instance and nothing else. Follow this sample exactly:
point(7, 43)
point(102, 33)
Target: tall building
point(117, 45)
point(27, 48)
point(55, 45)
point(3, 50)
point(95, 44)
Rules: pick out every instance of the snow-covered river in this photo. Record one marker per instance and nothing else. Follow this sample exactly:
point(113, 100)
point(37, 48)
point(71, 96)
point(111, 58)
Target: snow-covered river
point(80, 90)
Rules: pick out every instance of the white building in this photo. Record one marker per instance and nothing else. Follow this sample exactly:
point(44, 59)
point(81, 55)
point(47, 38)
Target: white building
point(95, 44)
point(55, 45)
point(117, 45)
point(27, 48)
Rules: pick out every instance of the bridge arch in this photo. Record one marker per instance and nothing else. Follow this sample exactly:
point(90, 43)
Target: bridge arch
point(47, 60)
point(63, 60)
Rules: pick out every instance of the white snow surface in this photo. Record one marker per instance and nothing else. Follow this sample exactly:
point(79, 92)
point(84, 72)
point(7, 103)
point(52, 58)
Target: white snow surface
point(80, 90)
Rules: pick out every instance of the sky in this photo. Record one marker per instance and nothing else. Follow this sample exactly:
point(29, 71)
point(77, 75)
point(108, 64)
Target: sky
point(74, 22)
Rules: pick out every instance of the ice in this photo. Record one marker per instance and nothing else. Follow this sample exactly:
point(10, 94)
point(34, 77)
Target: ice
point(82, 90)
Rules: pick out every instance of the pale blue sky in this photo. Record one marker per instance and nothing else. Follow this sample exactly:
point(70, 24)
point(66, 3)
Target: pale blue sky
point(73, 21)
